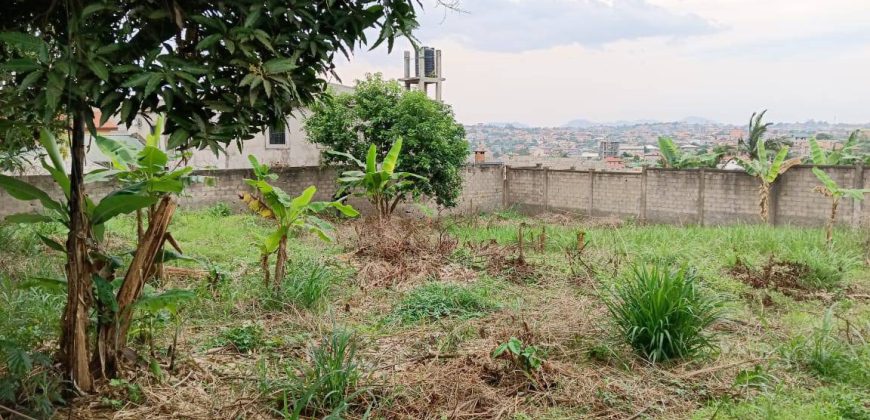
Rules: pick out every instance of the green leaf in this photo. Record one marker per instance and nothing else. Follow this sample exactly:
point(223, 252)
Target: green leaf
point(20, 65)
point(120, 154)
point(113, 205)
point(270, 243)
point(26, 192)
point(99, 69)
point(51, 243)
point(776, 164)
point(372, 159)
point(208, 41)
point(178, 138)
point(152, 159)
point(59, 176)
point(29, 218)
point(816, 152)
point(515, 345)
point(392, 158)
point(829, 183)
point(168, 300)
point(105, 294)
point(345, 209)
point(279, 65)
point(55, 285)
point(303, 199)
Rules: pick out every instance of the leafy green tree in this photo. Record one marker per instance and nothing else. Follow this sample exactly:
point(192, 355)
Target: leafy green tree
point(219, 70)
point(378, 112)
point(380, 183)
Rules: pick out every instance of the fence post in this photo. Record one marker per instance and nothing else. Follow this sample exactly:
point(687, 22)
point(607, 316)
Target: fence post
point(591, 192)
point(505, 187)
point(546, 189)
point(642, 203)
point(857, 205)
point(701, 188)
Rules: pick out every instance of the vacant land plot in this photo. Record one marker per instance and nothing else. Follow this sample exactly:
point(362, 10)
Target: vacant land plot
point(497, 316)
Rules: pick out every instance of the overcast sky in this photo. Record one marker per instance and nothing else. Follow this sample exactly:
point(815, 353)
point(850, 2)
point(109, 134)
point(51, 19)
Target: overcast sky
point(545, 62)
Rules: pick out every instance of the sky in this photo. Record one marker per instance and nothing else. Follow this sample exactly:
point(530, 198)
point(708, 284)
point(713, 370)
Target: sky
point(546, 62)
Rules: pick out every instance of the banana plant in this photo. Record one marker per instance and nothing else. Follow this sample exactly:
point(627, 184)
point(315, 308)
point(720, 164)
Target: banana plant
point(832, 190)
point(380, 183)
point(767, 171)
point(292, 216)
point(846, 155)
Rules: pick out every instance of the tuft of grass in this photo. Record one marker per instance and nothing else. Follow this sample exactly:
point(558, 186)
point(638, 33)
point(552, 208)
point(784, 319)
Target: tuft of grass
point(661, 312)
point(307, 285)
point(434, 301)
point(785, 404)
point(824, 355)
point(244, 339)
point(219, 210)
point(327, 386)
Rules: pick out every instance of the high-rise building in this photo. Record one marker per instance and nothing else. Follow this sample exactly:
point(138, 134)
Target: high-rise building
point(608, 148)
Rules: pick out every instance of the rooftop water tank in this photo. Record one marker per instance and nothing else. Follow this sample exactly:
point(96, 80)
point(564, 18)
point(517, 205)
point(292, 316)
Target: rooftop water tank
point(428, 62)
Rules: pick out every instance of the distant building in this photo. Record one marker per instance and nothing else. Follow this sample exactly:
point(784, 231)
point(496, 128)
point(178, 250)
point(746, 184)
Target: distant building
point(614, 163)
point(608, 149)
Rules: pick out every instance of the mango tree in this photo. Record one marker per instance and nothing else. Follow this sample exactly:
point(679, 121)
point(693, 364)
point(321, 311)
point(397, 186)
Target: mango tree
point(219, 70)
point(830, 189)
point(380, 183)
point(292, 215)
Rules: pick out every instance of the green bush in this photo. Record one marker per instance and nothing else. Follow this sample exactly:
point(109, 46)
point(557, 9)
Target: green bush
point(434, 301)
point(219, 210)
point(27, 381)
point(661, 312)
point(328, 383)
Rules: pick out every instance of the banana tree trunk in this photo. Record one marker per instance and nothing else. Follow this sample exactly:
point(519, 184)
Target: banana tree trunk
point(112, 337)
point(764, 201)
point(74, 348)
point(280, 263)
point(829, 229)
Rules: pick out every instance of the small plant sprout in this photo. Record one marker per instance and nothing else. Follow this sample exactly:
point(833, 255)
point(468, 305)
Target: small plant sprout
point(830, 189)
point(527, 357)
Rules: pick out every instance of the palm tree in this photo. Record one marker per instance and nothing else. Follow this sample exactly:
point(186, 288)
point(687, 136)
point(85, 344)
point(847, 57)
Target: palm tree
point(767, 171)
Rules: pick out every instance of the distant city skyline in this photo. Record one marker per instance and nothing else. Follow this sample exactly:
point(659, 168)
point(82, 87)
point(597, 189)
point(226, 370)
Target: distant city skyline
point(547, 62)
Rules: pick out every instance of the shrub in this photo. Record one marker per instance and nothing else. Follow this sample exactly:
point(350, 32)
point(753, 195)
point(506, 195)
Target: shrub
point(328, 382)
point(28, 382)
point(219, 210)
point(434, 301)
point(661, 312)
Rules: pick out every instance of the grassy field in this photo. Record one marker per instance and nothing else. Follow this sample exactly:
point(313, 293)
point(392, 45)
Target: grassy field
point(402, 322)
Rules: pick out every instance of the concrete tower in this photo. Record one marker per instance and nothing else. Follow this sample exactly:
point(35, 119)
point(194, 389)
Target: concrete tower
point(427, 70)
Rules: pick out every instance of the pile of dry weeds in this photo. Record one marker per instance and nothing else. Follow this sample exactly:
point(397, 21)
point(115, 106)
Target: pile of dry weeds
point(402, 250)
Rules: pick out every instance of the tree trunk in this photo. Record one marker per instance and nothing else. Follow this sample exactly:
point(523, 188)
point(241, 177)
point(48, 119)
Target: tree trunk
point(264, 265)
point(280, 262)
point(764, 202)
point(113, 336)
point(75, 353)
point(829, 230)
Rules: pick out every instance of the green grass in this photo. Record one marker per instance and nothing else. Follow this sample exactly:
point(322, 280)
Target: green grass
point(434, 301)
point(662, 312)
point(782, 403)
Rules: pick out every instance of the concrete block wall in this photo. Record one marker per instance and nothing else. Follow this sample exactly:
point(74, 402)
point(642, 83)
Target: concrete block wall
point(569, 191)
point(674, 196)
point(730, 197)
point(797, 203)
point(616, 194)
point(696, 196)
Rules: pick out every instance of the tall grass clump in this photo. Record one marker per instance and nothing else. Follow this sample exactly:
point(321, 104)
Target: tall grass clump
point(434, 301)
point(306, 286)
point(661, 312)
point(327, 386)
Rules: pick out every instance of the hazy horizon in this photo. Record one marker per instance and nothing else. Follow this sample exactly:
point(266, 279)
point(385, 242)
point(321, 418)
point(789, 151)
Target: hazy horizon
point(546, 62)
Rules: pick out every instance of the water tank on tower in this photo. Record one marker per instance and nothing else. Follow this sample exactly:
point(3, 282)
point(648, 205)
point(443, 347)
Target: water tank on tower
point(428, 62)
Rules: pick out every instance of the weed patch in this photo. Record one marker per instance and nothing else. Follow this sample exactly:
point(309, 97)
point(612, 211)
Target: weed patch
point(434, 301)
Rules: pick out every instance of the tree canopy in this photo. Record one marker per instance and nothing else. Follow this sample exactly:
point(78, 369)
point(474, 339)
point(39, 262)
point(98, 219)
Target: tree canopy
point(378, 112)
point(219, 70)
